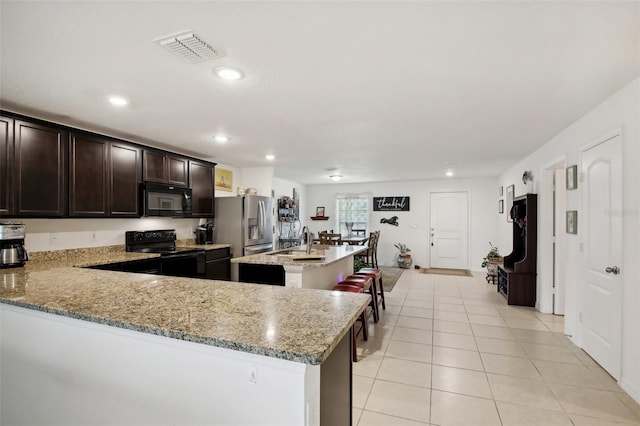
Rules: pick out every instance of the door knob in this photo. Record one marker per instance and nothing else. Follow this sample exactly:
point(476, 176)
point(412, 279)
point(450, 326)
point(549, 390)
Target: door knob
point(612, 270)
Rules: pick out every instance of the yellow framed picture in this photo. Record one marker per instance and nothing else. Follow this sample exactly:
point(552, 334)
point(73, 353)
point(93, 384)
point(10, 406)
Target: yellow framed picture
point(224, 179)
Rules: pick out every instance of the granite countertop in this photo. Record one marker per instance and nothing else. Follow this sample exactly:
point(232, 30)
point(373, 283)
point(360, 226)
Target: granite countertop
point(301, 325)
point(285, 257)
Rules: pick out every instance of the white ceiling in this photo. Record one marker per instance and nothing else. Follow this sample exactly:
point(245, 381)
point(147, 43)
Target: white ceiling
point(381, 91)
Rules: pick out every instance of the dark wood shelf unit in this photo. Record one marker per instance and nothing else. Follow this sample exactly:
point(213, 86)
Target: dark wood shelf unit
point(517, 276)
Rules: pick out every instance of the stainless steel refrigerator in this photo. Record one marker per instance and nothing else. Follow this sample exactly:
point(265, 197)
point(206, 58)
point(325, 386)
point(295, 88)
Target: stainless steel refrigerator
point(244, 222)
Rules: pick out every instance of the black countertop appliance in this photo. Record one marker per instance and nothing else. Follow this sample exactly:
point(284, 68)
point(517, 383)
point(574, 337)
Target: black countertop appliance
point(204, 234)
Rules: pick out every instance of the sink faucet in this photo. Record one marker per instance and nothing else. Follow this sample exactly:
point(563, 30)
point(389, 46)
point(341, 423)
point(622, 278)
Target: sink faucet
point(307, 238)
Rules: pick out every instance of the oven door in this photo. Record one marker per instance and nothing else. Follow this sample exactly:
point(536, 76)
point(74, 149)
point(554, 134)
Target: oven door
point(191, 264)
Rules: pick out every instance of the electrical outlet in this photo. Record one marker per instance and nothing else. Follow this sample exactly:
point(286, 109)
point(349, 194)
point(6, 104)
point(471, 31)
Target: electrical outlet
point(92, 236)
point(53, 238)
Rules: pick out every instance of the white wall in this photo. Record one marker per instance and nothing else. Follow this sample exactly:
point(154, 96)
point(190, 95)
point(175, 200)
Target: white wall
point(620, 111)
point(260, 178)
point(413, 228)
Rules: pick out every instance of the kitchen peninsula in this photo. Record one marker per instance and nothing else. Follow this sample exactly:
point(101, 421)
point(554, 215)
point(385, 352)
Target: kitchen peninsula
point(322, 268)
point(86, 346)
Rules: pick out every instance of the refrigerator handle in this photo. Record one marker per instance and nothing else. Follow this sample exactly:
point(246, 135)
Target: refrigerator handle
point(260, 220)
point(264, 219)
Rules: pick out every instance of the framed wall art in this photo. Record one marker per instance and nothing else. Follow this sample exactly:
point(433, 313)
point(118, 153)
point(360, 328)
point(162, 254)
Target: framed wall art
point(224, 179)
point(320, 211)
point(509, 203)
point(500, 206)
point(572, 177)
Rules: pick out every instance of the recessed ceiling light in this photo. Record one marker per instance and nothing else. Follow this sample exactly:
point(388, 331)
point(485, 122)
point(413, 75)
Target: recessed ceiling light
point(221, 138)
point(228, 73)
point(270, 157)
point(118, 100)
point(335, 178)
point(449, 173)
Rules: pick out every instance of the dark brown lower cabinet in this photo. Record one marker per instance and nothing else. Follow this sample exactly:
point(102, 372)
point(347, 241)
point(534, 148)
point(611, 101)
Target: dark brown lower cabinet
point(218, 264)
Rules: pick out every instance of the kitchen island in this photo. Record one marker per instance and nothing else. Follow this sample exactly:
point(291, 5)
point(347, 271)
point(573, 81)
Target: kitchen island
point(84, 346)
point(322, 268)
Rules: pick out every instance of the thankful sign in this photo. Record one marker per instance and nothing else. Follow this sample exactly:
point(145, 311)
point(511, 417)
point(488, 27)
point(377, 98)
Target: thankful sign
point(390, 204)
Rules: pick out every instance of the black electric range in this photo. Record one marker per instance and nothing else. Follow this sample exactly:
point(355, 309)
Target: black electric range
point(174, 261)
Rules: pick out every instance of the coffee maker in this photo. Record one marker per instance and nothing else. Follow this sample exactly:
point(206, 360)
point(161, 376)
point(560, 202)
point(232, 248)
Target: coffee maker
point(204, 234)
point(12, 249)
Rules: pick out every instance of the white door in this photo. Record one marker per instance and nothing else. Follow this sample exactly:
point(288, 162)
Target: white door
point(449, 230)
point(602, 255)
point(559, 241)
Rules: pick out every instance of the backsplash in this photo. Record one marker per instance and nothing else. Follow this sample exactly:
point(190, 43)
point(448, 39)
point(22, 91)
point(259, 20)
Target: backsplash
point(62, 234)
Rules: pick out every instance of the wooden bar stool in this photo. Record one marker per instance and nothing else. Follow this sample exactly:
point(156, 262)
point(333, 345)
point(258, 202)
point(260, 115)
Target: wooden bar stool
point(375, 274)
point(369, 285)
point(362, 318)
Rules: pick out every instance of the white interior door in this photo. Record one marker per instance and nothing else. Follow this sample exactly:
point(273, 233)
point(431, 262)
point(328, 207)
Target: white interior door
point(559, 241)
point(602, 255)
point(449, 230)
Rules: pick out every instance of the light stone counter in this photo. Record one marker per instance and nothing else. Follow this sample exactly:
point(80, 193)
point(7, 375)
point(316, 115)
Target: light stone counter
point(335, 265)
point(155, 350)
point(302, 326)
point(286, 257)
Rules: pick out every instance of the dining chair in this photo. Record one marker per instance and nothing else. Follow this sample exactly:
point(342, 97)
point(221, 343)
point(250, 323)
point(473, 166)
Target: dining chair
point(329, 239)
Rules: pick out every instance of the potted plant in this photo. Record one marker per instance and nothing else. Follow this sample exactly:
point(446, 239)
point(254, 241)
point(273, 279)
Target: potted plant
point(404, 258)
point(491, 262)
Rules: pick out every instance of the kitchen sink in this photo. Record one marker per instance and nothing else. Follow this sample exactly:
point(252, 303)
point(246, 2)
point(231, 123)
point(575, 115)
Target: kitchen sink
point(298, 252)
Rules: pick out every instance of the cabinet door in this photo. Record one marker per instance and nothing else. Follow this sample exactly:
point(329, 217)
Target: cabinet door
point(219, 270)
point(6, 161)
point(201, 177)
point(124, 183)
point(88, 195)
point(155, 167)
point(40, 170)
point(178, 174)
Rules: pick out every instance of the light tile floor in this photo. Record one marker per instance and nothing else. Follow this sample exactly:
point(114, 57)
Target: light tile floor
point(450, 351)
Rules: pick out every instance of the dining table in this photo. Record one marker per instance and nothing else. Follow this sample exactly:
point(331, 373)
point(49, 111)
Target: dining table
point(352, 240)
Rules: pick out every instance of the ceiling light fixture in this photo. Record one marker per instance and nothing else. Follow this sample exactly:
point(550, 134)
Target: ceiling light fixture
point(335, 178)
point(270, 157)
point(221, 138)
point(449, 173)
point(118, 100)
point(228, 73)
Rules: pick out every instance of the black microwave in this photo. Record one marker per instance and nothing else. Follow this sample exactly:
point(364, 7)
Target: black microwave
point(166, 200)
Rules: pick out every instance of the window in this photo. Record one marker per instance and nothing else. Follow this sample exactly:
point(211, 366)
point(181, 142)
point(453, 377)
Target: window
point(352, 213)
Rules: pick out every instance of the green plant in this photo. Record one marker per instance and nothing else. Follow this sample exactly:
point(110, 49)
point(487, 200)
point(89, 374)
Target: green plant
point(494, 253)
point(359, 263)
point(402, 247)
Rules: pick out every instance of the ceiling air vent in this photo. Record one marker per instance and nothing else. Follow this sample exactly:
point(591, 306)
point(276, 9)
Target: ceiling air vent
point(189, 47)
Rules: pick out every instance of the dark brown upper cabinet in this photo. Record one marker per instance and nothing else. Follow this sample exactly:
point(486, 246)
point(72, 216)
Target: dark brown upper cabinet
point(6, 165)
point(88, 178)
point(125, 173)
point(201, 181)
point(40, 170)
point(162, 167)
point(104, 177)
